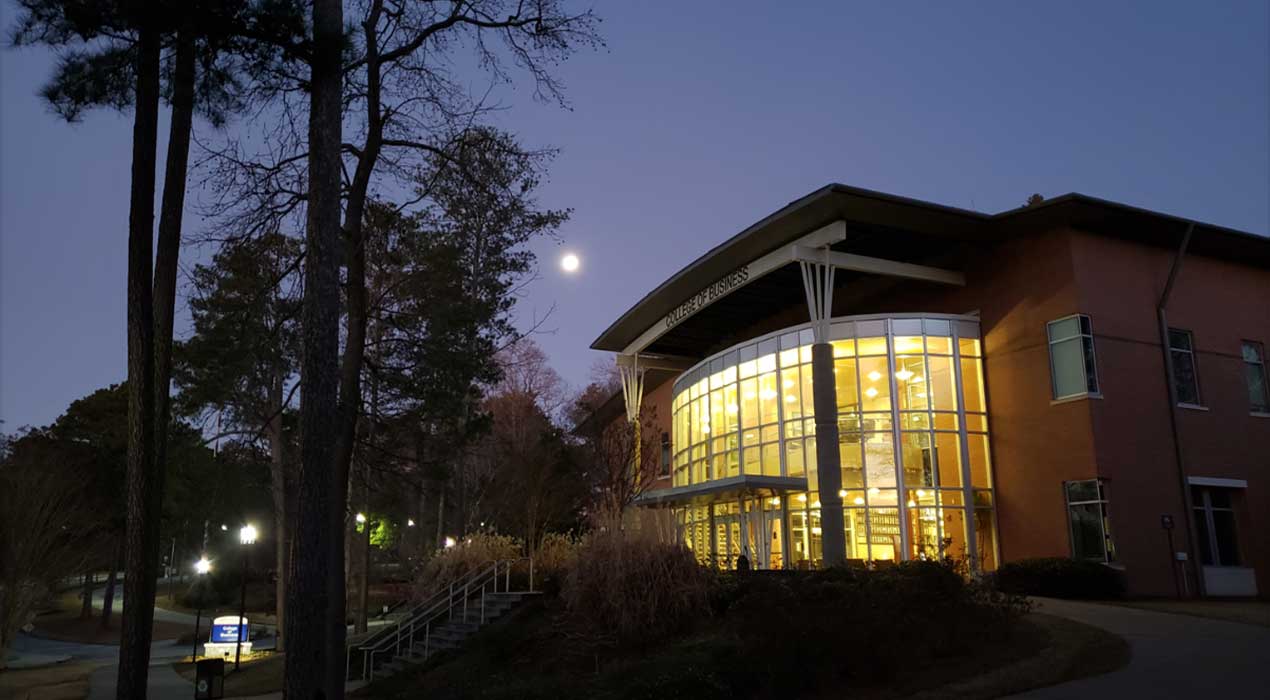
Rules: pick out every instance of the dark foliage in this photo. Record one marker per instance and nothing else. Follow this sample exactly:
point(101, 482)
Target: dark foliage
point(1058, 577)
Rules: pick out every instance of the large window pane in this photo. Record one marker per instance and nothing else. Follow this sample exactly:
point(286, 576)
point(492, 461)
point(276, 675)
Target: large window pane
point(879, 460)
point(980, 468)
point(768, 397)
point(910, 382)
point(948, 459)
point(845, 384)
point(884, 524)
point(1067, 363)
point(791, 393)
point(919, 468)
point(1185, 372)
point(972, 385)
point(875, 382)
point(1255, 377)
point(851, 456)
point(749, 402)
point(1087, 541)
point(942, 384)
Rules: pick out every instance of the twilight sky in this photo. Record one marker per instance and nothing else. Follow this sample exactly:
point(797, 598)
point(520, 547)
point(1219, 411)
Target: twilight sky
point(699, 119)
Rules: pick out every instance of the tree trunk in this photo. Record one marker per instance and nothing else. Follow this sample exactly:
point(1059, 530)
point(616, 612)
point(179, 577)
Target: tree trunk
point(108, 596)
point(86, 605)
point(314, 663)
point(278, 489)
point(169, 248)
point(143, 509)
point(440, 514)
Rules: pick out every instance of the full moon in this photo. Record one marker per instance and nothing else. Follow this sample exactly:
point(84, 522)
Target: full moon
point(569, 263)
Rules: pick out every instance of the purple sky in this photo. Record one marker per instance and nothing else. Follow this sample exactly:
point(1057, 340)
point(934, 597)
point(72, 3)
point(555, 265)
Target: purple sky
point(699, 119)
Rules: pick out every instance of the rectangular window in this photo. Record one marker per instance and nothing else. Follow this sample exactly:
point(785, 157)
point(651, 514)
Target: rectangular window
point(1072, 368)
point(1090, 527)
point(665, 455)
point(1185, 369)
point(1215, 526)
point(1255, 375)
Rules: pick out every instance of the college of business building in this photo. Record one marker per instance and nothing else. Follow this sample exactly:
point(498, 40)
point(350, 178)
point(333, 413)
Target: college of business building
point(862, 377)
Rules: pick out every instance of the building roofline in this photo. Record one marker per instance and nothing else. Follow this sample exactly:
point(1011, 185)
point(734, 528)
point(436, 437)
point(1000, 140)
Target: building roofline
point(820, 206)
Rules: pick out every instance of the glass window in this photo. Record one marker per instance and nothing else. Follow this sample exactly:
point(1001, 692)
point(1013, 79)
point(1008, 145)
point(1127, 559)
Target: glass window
point(875, 383)
point(664, 469)
point(1072, 368)
point(1255, 375)
point(1090, 527)
point(1215, 526)
point(791, 393)
point(1185, 371)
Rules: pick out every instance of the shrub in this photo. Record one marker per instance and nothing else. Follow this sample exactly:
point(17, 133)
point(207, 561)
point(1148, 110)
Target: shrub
point(628, 589)
point(472, 552)
point(799, 632)
point(553, 559)
point(1058, 577)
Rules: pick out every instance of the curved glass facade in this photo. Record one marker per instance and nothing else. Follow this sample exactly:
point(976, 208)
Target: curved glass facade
point(913, 442)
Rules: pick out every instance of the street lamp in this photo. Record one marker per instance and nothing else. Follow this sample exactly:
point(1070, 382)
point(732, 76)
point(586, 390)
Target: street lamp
point(201, 567)
point(246, 536)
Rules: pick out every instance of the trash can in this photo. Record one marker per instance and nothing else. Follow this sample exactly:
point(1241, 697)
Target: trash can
point(209, 679)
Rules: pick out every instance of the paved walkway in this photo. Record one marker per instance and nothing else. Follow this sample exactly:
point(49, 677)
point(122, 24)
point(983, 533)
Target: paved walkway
point(1174, 656)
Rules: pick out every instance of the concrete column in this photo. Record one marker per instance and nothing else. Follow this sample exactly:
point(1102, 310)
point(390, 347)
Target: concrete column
point(828, 460)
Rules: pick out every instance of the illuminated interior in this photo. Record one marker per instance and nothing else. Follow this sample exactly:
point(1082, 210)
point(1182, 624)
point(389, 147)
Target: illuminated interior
point(913, 439)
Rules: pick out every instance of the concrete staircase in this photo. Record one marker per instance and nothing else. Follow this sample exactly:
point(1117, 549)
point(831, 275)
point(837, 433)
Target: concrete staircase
point(441, 622)
point(451, 634)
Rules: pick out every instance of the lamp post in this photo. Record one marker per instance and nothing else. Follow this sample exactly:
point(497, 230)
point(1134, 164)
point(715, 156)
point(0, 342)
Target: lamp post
point(201, 567)
point(246, 536)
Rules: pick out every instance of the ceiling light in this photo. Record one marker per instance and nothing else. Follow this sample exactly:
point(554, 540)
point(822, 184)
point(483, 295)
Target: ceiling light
point(731, 408)
point(842, 493)
point(870, 392)
point(788, 383)
point(874, 491)
point(859, 501)
point(790, 398)
point(912, 503)
point(802, 497)
point(903, 375)
point(874, 375)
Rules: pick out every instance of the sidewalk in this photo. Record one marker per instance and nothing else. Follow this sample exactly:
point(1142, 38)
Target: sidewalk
point(1174, 656)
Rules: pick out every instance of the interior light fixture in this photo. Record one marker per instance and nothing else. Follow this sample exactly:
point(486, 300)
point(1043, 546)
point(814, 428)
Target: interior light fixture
point(790, 398)
point(870, 392)
point(874, 491)
point(788, 383)
point(874, 375)
point(731, 408)
point(904, 375)
point(842, 493)
point(767, 394)
point(859, 500)
point(912, 503)
point(802, 497)
point(816, 504)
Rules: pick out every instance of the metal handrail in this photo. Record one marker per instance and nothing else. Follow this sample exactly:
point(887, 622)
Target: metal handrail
point(442, 603)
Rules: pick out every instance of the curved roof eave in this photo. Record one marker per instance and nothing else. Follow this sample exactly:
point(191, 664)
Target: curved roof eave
point(799, 217)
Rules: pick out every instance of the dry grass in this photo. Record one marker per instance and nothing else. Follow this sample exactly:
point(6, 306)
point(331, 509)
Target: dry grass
point(259, 674)
point(630, 588)
point(1251, 612)
point(67, 681)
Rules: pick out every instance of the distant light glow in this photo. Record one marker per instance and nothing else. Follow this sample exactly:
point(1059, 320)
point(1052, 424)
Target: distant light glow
point(570, 262)
point(450, 542)
point(410, 522)
point(247, 535)
point(361, 517)
point(202, 566)
point(224, 527)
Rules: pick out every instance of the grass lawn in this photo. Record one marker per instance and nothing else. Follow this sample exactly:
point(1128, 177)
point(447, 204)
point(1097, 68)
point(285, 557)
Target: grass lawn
point(1250, 612)
point(260, 674)
point(528, 658)
point(259, 601)
point(67, 681)
point(61, 622)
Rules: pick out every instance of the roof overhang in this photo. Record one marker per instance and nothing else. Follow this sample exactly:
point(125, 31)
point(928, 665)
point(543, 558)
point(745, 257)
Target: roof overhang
point(854, 223)
point(745, 484)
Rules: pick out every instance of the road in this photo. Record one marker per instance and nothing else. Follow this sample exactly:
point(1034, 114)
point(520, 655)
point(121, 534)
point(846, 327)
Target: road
point(1174, 656)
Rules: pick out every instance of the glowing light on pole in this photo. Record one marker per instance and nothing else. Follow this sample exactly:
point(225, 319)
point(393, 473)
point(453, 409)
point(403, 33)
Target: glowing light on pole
point(201, 567)
point(247, 536)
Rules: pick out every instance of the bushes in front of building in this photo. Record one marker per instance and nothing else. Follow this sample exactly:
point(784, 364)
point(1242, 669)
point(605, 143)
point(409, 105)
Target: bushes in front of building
point(802, 632)
point(630, 589)
point(1059, 577)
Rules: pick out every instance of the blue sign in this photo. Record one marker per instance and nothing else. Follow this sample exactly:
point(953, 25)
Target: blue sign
point(222, 634)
